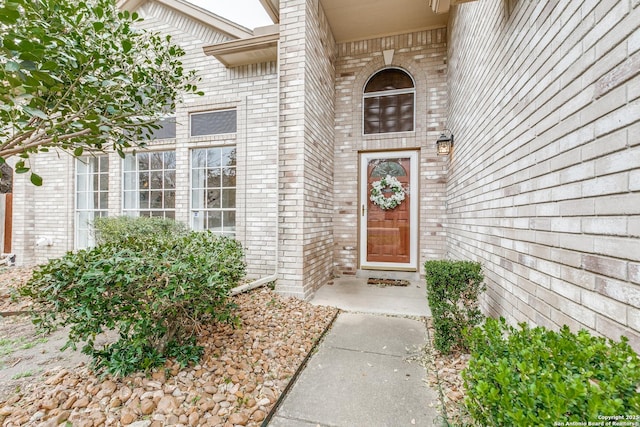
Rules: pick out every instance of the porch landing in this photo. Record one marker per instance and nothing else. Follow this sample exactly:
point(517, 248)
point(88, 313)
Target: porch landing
point(355, 295)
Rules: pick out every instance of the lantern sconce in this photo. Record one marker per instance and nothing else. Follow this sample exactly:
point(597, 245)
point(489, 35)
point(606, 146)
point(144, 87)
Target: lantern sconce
point(444, 144)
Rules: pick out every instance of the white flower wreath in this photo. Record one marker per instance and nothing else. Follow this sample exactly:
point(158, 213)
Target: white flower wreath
point(378, 197)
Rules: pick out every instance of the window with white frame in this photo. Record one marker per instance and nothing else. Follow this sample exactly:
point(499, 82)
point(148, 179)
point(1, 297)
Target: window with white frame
point(213, 190)
point(149, 184)
point(92, 196)
point(389, 102)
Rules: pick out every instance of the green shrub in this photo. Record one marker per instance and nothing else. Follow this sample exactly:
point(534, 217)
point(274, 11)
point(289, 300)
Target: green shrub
point(126, 228)
point(453, 288)
point(154, 292)
point(537, 377)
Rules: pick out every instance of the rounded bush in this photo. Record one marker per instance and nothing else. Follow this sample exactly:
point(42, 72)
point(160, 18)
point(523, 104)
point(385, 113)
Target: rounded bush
point(534, 376)
point(154, 291)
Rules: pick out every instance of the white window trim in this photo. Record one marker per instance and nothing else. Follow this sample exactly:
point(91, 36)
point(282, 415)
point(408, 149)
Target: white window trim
point(136, 212)
point(204, 210)
point(77, 211)
point(389, 93)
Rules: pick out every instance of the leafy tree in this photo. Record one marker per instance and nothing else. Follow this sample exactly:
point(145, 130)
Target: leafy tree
point(79, 75)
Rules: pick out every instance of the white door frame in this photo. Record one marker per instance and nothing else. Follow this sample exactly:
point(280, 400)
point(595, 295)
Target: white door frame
point(414, 197)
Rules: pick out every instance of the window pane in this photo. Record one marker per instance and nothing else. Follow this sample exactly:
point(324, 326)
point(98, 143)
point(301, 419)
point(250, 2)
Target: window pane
point(143, 161)
point(167, 129)
point(156, 200)
point(82, 200)
point(392, 113)
point(156, 161)
point(144, 200)
point(229, 220)
point(130, 163)
point(214, 123)
point(81, 167)
point(213, 199)
point(197, 178)
point(104, 164)
point(130, 198)
point(169, 160)
point(372, 115)
point(213, 157)
point(228, 199)
point(199, 158)
point(82, 237)
point(157, 180)
point(82, 184)
point(387, 167)
point(93, 164)
point(143, 180)
point(213, 178)
point(390, 79)
point(229, 177)
point(229, 156)
point(169, 199)
point(130, 179)
point(170, 179)
point(197, 199)
point(104, 200)
point(214, 221)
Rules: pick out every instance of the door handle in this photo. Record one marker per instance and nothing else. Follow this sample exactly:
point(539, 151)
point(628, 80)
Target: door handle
point(362, 210)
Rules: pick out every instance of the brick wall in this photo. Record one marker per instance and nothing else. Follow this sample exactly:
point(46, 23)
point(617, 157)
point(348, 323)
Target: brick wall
point(306, 141)
point(544, 185)
point(252, 90)
point(424, 55)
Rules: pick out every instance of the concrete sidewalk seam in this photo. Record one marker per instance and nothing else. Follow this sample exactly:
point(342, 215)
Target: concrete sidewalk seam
point(304, 420)
point(369, 352)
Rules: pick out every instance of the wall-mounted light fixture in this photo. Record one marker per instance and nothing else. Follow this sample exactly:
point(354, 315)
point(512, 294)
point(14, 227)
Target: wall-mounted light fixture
point(444, 143)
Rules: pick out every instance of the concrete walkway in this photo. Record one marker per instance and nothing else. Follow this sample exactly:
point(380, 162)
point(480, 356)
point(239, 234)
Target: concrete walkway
point(361, 376)
point(353, 294)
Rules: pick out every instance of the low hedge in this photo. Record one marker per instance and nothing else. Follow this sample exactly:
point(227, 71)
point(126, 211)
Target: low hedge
point(534, 376)
point(453, 288)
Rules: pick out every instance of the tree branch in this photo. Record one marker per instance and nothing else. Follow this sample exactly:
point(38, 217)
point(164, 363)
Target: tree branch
point(41, 143)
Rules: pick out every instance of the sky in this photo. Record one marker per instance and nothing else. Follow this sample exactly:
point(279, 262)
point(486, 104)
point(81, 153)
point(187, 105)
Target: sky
point(248, 13)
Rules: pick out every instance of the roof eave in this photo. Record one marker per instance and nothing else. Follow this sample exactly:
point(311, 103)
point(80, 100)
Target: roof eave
point(252, 50)
point(225, 26)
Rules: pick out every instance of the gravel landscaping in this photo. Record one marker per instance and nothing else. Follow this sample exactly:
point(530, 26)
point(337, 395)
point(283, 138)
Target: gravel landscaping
point(444, 375)
point(239, 379)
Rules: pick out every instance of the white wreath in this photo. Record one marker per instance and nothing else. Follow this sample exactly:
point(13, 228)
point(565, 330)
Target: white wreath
point(391, 202)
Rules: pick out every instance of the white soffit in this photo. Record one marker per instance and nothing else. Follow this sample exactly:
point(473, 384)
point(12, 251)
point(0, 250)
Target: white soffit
point(262, 48)
point(364, 19)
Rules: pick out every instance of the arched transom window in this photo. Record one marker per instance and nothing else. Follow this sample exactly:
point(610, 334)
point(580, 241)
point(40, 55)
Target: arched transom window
point(389, 102)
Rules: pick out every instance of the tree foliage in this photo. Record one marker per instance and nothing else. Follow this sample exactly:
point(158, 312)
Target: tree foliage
point(78, 75)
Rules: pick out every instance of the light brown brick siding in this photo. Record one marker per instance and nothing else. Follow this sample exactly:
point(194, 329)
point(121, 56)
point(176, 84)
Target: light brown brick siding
point(543, 186)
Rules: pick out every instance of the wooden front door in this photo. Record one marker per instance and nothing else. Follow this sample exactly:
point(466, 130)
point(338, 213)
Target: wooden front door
point(389, 233)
